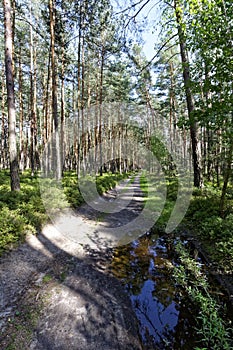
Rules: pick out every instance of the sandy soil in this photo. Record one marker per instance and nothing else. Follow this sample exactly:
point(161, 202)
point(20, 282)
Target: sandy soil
point(55, 290)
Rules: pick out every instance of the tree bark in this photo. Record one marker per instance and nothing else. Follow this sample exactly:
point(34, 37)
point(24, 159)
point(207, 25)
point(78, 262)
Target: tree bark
point(14, 168)
point(3, 126)
point(21, 115)
point(188, 93)
point(101, 109)
point(33, 121)
point(84, 134)
point(63, 142)
point(78, 160)
point(227, 175)
point(57, 153)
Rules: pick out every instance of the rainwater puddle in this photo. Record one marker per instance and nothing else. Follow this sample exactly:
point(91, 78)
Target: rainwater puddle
point(166, 316)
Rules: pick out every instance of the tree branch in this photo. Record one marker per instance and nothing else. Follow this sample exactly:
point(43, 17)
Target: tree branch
point(34, 28)
point(159, 50)
point(136, 14)
point(130, 7)
point(169, 59)
point(152, 7)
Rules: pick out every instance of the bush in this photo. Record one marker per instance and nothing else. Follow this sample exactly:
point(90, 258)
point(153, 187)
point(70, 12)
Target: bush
point(212, 328)
point(12, 228)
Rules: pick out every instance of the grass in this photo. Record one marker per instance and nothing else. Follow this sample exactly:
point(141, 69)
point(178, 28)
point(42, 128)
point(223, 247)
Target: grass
point(215, 232)
point(202, 218)
point(159, 195)
point(24, 211)
point(47, 278)
point(215, 333)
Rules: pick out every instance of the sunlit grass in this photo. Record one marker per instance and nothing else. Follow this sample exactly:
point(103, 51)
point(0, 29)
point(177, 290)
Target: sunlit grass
point(202, 217)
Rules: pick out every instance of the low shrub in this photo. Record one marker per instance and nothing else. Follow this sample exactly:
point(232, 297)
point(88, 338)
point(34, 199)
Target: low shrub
point(24, 211)
point(212, 328)
point(12, 228)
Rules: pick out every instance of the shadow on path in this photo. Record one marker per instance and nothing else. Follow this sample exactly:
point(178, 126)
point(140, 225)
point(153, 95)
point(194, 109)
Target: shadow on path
point(83, 307)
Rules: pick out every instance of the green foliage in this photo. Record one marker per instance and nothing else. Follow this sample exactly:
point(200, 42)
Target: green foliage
point(11, 228)
point(108, 181)
point(144, 185)
point(172, 188)
point(103, 183)
point(70, 187)
point(47, 278)
point(202, 219)
point(23, 212)
point(215, 232)
point(212, 328)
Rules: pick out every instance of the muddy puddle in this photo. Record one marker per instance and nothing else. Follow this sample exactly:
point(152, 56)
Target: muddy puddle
point(167, 318)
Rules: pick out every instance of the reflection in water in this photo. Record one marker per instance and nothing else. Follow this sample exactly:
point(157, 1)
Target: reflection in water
point(166, 318)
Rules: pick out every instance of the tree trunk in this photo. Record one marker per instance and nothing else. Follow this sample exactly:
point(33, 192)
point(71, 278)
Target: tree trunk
point(63, 143)
point(188, 93)
point(21, 115)
point(101, 109)
point(57, 153)
point(14, 168)
point(82, 109)
point(3, 126)
point(227, 175)
point(78, 160)
point(33, 101)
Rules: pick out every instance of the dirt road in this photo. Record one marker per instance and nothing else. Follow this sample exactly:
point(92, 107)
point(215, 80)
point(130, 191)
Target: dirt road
point(55, 290)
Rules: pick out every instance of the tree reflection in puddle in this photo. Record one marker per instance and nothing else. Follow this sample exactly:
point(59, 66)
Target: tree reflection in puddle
point(166, 317)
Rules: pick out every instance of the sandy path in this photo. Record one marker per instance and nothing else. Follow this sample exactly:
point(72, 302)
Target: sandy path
point(62, 273)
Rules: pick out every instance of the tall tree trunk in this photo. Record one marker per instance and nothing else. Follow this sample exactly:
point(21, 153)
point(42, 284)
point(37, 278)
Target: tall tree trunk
point(57, 155)
point(96, 121)
point(33, 100)
point(63, 145)
point(188, 93)
point(84, 131)
point(14, 168)
point(21, 115)
point(3, 126)
point(46, 117)
point(89, 134)
point(78, 162)
point(227, 175)
point(172, 119)
point(101, 108)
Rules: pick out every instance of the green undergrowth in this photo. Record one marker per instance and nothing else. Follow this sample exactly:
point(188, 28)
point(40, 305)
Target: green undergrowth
point(100, 183)
point(214, 231)
point(24, 211)
point(215, 333)
point(202, 218)
point(167, 187)
point(20, 212)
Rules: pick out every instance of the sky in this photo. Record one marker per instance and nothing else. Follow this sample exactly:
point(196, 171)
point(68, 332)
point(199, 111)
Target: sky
point(152, 12)
point(151, 34)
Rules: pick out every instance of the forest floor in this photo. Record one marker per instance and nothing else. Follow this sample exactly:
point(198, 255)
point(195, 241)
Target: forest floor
point(55, 291)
